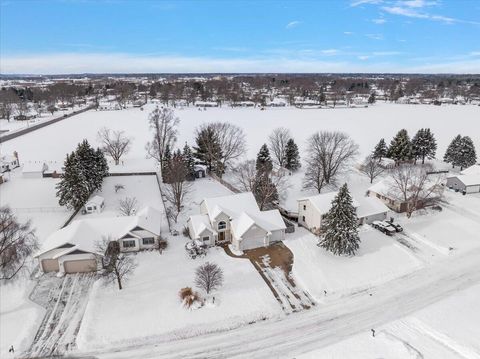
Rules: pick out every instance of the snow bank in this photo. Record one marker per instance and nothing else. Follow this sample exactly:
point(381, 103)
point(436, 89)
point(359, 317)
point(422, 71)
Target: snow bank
point(379, 259)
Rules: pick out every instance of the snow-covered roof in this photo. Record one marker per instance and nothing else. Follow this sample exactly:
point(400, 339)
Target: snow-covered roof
point(323, 201)
point(200, 223)
point(199, 167)
point(472, 170)
point(369, 206)
point(83, 234)
point(232, 205)
point(469, 180)
point(34, 167)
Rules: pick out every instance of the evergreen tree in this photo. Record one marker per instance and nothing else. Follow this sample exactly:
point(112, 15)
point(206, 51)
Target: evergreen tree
point(264, 162)
point(424, 145)
point(400, 148)
point(167, 159)
point(381, 150)
point(72, 190)
point(451, 155)
point(292, 156)
point(101, 169)
point(86, 158)
point(207, 149)
point(372, 99)
point(189, 162)
point(340, 225)
point(467, 155)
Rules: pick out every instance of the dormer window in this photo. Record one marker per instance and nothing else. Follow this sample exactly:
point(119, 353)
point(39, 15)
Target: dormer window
point(222, 225)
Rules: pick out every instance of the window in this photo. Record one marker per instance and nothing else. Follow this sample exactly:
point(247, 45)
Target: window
point(205, 239)
point(222, 225)
point(148, 240)
point(304, 207)
point(128, 243)
point(303, 218)
point(89, 208)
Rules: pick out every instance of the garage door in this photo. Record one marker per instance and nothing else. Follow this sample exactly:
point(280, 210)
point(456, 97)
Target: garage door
point(50, 265)
point(80, 266)
point(250, 243)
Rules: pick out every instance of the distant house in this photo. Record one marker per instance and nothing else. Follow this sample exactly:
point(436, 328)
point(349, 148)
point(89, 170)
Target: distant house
point(74, 248)
point(383, 190)
point(467, 183)
point(206, 104)
point(8, 163)
point(312, 210)
point(236, 219)
point(95, 205)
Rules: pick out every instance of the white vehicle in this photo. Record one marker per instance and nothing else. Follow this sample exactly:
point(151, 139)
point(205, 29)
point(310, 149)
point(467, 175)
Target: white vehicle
point(384, 227)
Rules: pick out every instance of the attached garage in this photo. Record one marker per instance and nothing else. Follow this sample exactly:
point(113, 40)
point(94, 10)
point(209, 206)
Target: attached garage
point(80, 266)
point(250, 243)
point(50, 265)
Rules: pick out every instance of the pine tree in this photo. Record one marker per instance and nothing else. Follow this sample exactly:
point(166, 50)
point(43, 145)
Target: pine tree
point(189, 162)
point(380, 150)
point(452, 153)
point(72, 190)
point(207, 150)
point(292, 156)
point(101, 169)
point(264, 162)
point(372, 99)
point(340, 225)
point(167, 159)
point(400, 149)
point(467, 155)
point(424, 145)
point(86, 158)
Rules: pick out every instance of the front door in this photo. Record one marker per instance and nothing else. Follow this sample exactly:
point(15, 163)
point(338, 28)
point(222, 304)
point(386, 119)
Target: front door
point(221, 236)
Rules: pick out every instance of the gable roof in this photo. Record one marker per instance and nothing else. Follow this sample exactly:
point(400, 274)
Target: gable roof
point(200, 222)
point(83, 234)
point(232, 205)
point(323, 201)
point(472, 170)
point(470, 179)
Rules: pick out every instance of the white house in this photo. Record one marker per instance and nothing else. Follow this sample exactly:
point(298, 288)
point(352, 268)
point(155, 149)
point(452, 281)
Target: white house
point(95, 204)
point(236, 219)
point(73, 249)
point(311, 210)
point(8, 163)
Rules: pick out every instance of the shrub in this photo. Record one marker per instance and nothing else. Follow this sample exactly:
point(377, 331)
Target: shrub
point(186, 232)
point(162, 244)
point(188, 296)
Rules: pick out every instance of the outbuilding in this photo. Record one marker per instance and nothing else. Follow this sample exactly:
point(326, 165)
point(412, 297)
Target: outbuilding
point(464, 183)
point(95, 205)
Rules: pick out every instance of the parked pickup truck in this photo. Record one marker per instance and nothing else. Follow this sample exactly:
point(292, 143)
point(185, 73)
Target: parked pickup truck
point(384, 227)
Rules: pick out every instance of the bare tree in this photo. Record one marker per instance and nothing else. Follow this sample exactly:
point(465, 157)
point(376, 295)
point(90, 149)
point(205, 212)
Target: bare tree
point(117, 266)
point(414, 186)
point(128, 206)
point(164, 125)
point(231, 140)
point(208, 277)
point(22, 108)
point(372, 168)
point(17, 243)
point(8, 99)
point(114, 143)
point(330, 152)
point(176, 185)
point(278, 144)
point(266, 186)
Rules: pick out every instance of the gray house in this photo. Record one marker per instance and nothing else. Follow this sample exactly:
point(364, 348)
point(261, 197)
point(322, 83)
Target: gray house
point(464, 183)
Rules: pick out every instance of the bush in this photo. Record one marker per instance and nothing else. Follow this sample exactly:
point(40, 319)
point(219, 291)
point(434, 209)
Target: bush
point(162, 244)
point(186, 232)
point(188, 296)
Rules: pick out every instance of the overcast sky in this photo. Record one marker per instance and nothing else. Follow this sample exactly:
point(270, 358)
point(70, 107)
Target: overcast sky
point(76, 36)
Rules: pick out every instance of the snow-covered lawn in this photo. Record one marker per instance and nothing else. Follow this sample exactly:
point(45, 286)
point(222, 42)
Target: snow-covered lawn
point(379, 259)
point(149, 305)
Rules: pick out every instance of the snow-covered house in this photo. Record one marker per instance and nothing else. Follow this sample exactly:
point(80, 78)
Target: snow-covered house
point(200, 171)
point(465, 183)
point(472, 170)
point(206, 104)
point(74, 249)
point(236, 219)
point(8, 163)
point(95, 204)
point(393, 199)
point(311, 210)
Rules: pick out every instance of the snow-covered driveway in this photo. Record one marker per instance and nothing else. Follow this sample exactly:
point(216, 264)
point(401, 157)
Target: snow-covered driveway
point(325, 324)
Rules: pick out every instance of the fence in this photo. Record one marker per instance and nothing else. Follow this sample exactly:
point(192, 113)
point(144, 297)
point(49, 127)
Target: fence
point(159, 181)
point(225, 183)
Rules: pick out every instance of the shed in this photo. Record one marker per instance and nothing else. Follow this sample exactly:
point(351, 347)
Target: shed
point(200, 171)
point(95, 205)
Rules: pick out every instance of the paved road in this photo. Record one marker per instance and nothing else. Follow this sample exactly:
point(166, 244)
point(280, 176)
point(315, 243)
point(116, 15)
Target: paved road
point(325, 324)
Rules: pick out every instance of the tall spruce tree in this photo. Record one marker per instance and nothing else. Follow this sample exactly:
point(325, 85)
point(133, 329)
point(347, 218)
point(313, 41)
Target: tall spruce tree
point(400, 149)
point(264, 162)
point(380, 150)
point(467, 155)
point(101, 168)
point(453, 150)
point(292, 156)
point(340, 225)
point(424, 145)
point(189, 162)
point(73, 189)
